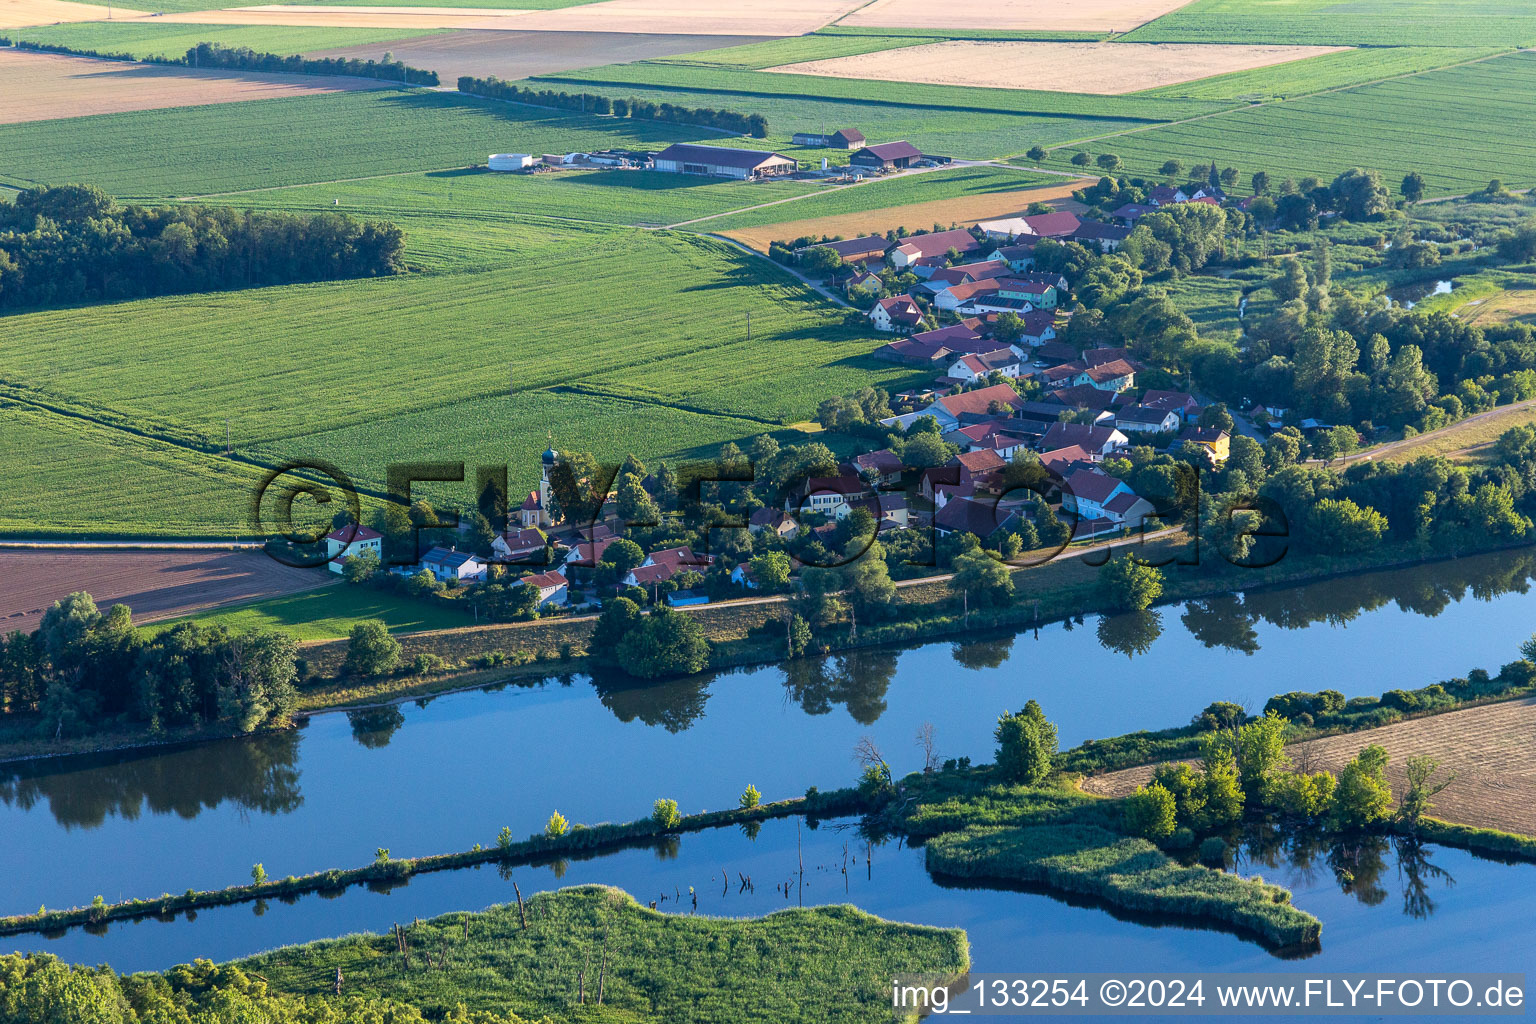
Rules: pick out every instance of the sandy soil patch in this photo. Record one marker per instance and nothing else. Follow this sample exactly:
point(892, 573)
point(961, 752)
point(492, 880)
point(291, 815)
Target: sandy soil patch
point(155, 584)
point(44, 86)
point(698, 17)
point(21, 13)
point(1054, 15)
point(964, 210)
point(1108, 69)
point(1492, 750)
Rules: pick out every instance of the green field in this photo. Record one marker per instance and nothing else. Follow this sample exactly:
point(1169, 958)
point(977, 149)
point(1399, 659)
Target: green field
point(329, 613)
point(141, 39)
point(918, 188)
point(482, 197)
point(603, 338)
point(266, 143)
point(1459, 127)
point(773, 52)
point(1358, 22)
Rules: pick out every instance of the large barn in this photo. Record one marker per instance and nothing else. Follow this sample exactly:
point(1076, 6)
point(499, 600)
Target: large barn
point(717, 161)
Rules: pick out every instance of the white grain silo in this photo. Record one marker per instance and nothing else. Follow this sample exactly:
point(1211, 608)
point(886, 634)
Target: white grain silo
point(509, 161)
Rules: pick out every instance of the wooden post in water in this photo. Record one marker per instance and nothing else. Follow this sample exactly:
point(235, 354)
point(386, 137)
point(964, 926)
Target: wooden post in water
point(520, 912)
point(800, 853)
point(338, 981)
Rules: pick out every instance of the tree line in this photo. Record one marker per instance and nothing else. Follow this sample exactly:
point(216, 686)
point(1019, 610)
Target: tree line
point(83, 670)
point(755, 125)
point(243, 58)
point(74, 243)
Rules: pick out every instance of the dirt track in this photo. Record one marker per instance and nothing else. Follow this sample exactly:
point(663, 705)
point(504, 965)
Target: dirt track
point(1492, 750)
point(155, 584)
point(45, 86)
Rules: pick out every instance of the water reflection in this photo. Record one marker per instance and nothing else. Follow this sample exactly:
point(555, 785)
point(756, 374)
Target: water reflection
point(1228, 621)
point(858, 680)
point(254, 774)
point(373, 727)
point(1357, 864)
point(674, 704)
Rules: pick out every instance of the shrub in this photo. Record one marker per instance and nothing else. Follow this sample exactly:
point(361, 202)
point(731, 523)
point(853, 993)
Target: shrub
point(426, 663)
point(1026, 742)
point(1149, 812)
point(750, 797)
point(1302, 795)
point(664, 813)
point(556, 826)
point(371, 650)
point(1213, 850)
point(1362, 796)
point(504, 838)
point(258, 874)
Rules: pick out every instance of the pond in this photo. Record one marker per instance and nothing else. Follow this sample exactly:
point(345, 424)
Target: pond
point(1410, 295)
point(1435, 908)
point(445, 774)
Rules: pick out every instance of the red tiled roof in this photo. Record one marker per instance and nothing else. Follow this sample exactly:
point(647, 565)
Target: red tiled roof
point(982, 461)
point(545, 580)
point(980, 400)
point(938, 243)
point(983, 518)
point(352, 534)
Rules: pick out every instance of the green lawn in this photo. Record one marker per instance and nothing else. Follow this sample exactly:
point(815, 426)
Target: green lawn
point(1358, 22)
point(170, 39)
point(1458, 127)
point(829, 964)
point(329, 613)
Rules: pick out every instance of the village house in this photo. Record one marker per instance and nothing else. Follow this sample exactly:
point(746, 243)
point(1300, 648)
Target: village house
point(985, 519)
point(773, 520)
point(1116, 375)
point(742, 576)
point(1038, 295)
point(1141, 419)
point(1176, 401)
point(1019, 256)
point(833, 496)
point(897, 313)
point(720, 162)
point(1104, 237)
point(447, 564)
point(935, 245)
point(1092, 495)
point(887, 156)
point(1130, 212)
point(1217, 443)
point(949, 410)
point(1094, 439)
point(1068, 460)
point(1001, 436)
point(843, 138)
point(893, 510)
point(553, 587)
point(586, 554)
point(978, 366)
point(965, 273)
point(351, 542)
point(524, 545)
point(882, 468)
point(1082, 398)
point(1039, 327)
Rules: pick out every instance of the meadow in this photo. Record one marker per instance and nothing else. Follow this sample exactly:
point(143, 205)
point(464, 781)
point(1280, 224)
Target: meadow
point(268, 143)
point(1459, 127)
point(1318, 74)
point(149, 39)
point(328, 613)
point(659, 966)
point(1360, 22)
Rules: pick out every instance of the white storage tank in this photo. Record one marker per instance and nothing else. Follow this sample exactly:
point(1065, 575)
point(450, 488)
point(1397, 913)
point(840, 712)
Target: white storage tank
point(509, 161)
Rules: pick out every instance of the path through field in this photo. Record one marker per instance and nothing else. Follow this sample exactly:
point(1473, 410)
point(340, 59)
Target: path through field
point(1491, 749)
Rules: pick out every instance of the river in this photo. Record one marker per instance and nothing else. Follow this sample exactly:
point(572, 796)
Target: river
point(444, 774)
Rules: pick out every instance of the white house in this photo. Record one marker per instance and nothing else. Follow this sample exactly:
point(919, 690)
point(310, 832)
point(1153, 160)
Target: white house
point(834, 496)
point(1093, 495)
point(451, 564)
point(553, 587)
point(1115, 375)
point(349, 542)
point(1096, 440)
point(979, 365)
point(897, 313)
point(518, 545)
point(742, 577)
point(1141, 419)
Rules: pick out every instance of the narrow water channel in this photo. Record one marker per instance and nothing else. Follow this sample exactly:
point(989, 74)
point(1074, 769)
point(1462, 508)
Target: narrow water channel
point(446, 774)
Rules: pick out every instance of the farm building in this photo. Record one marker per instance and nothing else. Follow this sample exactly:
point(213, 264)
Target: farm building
point(843, 138)
point(510, 161)
point(719, 162)
point(854, 250)
point(886, 156)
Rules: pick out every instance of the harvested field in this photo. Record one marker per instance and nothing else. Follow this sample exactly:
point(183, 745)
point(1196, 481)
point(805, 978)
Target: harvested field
point(697, 17)
point(1014, 15)
point(1492, 750)
point(641, 17)
point(1108, 69)
point(964, 210)
point(155, 584)
point(423, 18)
point(1511, 304)
point(22, 13)
point(46, 86)
point(514, 55)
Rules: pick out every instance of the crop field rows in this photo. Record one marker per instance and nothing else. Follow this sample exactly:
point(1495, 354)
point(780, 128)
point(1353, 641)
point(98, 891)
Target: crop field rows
point(150, 39)
point(1359, 23)
point(1459, 127)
